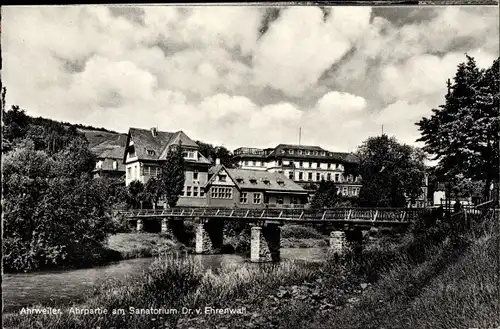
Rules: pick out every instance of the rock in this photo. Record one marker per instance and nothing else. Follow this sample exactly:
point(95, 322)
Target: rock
point(364, 285)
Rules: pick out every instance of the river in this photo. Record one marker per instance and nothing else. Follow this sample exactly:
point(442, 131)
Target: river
point(66, 287)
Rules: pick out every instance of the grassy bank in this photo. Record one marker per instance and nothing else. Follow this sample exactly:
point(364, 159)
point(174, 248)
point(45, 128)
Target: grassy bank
point(136, 245)
point(433, 277)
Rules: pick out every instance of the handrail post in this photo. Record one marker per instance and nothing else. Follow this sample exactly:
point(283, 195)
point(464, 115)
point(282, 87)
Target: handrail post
point(301, 214)
point(231, 214)
point(375, 215)
point(262, 215)
point(349, 214)
point(248, 211)
point(324, 214)
point(281, 213)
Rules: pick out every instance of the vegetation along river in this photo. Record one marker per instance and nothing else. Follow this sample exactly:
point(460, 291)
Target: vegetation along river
point(66, 287)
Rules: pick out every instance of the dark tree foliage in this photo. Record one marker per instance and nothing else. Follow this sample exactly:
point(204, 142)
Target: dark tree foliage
point(217, 152)
point(154, 190)
point(392, 173)
point(463, 133)
point(173, 175)
point(325, 195)
point(50, 213)
point(135, 193)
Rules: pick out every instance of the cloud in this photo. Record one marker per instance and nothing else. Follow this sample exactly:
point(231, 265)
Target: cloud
point(300, 45)
point(241, 75)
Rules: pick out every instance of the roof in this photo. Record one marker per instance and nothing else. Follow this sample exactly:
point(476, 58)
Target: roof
point(282, 151)
point(144, 141)
point(242, 177)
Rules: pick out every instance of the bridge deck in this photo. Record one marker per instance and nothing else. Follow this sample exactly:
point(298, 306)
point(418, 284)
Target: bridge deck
point(384, 216)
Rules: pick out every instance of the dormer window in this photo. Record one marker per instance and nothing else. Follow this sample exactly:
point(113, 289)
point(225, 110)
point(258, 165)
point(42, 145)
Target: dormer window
point(253, 180)
point(299, 152)
point(239, 179)
point(265, 180)
point(151, 152)
point(115, 165)
point(280, 182)
point(222, 177)
point(290, 151)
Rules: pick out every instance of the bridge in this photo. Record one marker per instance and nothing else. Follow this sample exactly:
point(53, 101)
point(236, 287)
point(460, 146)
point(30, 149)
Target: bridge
point(265, 224)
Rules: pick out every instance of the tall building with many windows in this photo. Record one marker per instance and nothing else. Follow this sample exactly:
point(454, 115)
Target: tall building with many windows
point(303, 164)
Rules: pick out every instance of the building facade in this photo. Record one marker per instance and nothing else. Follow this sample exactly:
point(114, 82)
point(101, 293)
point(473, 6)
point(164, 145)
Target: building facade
point(147, 149)
point(110, 164)
point(252, 188)
point(303, 164)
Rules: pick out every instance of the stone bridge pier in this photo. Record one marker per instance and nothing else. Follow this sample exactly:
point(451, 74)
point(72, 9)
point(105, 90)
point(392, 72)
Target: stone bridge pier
point(348, 239)
point(209, 237)
point(265, 243)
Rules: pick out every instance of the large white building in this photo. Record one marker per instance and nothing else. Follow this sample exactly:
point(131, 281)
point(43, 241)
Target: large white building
point(303, 164)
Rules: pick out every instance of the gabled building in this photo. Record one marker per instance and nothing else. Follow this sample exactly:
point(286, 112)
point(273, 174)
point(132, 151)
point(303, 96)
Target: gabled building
point(147, 149)
point(247, 188)
point(303, 164)
point(110, 164)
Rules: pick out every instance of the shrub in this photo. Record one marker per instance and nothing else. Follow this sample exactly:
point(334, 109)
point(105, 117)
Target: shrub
point(300, 232)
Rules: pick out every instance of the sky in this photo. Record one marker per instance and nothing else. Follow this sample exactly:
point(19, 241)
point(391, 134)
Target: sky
point(242, 75)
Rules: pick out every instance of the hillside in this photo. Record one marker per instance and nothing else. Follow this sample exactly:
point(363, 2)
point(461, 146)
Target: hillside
point(100, 141)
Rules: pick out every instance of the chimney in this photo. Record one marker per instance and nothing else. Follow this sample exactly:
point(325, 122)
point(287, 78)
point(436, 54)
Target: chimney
point(217, 161)
point(154, 131)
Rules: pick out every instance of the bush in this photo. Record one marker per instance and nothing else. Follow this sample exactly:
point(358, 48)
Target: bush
point(300, 232)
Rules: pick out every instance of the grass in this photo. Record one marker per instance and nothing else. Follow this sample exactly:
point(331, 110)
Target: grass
point(136, 245)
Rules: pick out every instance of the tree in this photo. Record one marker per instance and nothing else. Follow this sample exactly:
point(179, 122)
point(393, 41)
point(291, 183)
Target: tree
point(325, 196)
point(463, 133)
point(154, 190)
point(173, 175)
point(50, 218)
point(392, 173)
point(211, 152)
point(135, 193)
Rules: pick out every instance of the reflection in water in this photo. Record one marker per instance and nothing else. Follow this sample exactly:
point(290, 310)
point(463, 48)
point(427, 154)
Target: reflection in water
point(65, 287)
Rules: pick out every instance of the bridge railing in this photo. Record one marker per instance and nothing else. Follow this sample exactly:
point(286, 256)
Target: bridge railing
point(354, 214)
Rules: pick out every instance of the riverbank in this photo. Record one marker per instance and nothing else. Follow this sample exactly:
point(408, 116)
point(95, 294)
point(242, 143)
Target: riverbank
point(413, 282)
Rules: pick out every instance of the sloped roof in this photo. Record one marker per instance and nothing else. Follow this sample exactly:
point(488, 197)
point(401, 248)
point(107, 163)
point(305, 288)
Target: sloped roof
point(175, 138)
point(242, 177)
point(144, 140)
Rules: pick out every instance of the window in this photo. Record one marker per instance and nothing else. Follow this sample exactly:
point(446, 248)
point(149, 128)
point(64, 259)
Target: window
point(183, 192)
point(308, 152)
point(254, 163)
point(157, 171)
point(329, 165)
point(189, 154)
point(344, 191)
point(294, 200)
point(318, 165)
point(129, 172)
point(301, 164)
point(195, 191)
point(310, 176)
point(290, 151)
point(222, 177)
point(257, 198)
point(279, 163)
point(246, 163)
point(336, 166)
point(301, 175)
point(195, 175)
point(337, 176)
point(244, 198)
point(115, 165)
point(151, 152)
point(318, 176)
point(221, 192)
point(299, 151)
point(328, 176)
point(310, 164)
point(188, 193)
point(202, 192)
point(323, 153)
point(290, 175)
point(279, 199)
